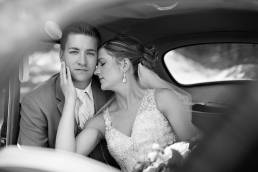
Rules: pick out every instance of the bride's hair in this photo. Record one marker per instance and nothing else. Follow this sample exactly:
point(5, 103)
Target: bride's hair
point(124, 46)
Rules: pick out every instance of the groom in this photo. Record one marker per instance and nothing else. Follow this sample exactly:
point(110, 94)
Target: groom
point(41, 109)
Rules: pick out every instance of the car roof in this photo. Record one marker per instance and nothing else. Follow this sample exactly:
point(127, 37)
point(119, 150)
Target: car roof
point(153, 21)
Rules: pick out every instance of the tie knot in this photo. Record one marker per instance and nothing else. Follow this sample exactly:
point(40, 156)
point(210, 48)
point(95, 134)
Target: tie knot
point(86, 94)
point(81, 94)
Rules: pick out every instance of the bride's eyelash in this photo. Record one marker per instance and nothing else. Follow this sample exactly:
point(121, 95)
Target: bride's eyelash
point(101, 63)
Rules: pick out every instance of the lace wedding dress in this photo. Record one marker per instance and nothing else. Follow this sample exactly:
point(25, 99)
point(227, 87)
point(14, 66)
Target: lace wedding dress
point(150, 126)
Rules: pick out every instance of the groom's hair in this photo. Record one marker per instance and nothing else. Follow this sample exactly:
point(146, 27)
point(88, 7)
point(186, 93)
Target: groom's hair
point(79, 28)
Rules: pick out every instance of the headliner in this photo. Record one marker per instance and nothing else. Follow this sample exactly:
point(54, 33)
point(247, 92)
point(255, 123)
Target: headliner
point(153, 20)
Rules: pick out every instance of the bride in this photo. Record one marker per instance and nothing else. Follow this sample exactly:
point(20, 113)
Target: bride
point(145, 109)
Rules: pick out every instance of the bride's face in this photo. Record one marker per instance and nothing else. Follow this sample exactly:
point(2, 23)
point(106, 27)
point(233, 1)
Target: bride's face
point(108, 70)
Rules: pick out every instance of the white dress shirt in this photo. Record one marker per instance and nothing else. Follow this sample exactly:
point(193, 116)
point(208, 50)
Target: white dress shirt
point(84, 109)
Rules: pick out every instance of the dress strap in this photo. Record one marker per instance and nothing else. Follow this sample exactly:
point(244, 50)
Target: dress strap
point(107, 118)
point(148, 102)
point(152, 97)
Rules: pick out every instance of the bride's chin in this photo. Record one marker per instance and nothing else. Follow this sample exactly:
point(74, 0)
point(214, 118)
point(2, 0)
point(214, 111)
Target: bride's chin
point(103, 87)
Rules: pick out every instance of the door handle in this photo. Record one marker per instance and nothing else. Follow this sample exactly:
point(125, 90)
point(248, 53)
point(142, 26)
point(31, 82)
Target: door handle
point(209, 107)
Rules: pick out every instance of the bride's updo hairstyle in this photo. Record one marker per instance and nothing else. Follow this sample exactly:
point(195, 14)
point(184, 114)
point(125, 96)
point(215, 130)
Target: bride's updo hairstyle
point(124, 46)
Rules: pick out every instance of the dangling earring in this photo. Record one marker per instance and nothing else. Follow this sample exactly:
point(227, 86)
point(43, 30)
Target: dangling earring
point(124, 78)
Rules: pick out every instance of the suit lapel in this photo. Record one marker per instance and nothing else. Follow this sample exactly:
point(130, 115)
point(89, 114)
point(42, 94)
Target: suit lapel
point(59, 95)
point(100, 97)
point(97, 98)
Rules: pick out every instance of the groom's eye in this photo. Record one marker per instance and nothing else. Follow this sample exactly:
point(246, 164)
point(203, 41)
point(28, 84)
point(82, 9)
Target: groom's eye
point(73, 52)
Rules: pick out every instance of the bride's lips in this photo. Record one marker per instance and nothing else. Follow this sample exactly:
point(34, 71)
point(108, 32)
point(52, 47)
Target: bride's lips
point(101, 79)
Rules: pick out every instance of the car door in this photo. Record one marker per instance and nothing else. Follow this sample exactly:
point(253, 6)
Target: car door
point(215, 72)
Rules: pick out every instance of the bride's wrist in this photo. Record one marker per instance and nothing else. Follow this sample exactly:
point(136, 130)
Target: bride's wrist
point(70, 101)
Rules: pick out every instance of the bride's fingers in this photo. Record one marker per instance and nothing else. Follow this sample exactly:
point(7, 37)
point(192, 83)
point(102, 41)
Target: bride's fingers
point(61, 74)
point(63, 71)
point(69, 78)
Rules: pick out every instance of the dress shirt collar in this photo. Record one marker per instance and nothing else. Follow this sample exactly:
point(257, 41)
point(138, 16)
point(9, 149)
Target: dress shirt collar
point(87, 90)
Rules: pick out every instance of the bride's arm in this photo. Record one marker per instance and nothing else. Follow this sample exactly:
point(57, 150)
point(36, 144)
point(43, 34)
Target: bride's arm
point(65, 138)
point(87, 140)
point(177, 112)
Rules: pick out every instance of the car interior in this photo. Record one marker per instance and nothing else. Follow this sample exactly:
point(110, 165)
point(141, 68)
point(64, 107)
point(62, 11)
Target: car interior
point(167, 26)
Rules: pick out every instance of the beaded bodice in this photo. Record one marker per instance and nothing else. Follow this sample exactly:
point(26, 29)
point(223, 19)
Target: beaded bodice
point(150, 126)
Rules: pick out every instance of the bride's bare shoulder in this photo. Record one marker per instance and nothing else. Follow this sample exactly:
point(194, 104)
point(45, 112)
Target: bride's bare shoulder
point(161, 93)
point(166, 97)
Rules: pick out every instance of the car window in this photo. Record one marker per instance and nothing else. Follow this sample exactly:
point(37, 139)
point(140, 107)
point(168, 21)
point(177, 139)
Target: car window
point(40, 67)
point(213, 62)
point(2, 105)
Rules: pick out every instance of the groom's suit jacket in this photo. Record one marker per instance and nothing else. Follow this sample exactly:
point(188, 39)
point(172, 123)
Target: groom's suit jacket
point(41, 110)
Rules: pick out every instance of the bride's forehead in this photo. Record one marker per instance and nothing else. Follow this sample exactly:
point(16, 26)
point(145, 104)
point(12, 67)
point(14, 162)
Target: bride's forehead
point(102, 57)
point(105, 55)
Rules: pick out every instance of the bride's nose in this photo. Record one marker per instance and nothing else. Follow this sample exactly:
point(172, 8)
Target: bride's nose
point(96, 72)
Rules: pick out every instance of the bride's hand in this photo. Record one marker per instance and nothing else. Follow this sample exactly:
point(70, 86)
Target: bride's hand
point(66, 83)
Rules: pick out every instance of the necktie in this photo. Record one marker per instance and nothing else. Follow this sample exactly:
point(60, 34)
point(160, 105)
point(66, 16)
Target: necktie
point(84, 109)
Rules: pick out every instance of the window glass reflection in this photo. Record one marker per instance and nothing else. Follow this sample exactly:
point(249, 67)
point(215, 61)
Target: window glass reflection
point(213, 62)
point(42, 65)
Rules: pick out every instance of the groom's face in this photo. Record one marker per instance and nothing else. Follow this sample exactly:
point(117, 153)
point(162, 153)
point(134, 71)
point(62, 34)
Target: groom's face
point(80, 55)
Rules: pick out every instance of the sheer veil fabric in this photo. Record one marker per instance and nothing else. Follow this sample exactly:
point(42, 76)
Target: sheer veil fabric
point(149, 79)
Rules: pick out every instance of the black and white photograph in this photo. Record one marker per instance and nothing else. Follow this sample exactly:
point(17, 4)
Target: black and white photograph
point(128, 85)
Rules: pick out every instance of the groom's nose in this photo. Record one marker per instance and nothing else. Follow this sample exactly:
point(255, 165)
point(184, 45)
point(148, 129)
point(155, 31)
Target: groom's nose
point(82, 59)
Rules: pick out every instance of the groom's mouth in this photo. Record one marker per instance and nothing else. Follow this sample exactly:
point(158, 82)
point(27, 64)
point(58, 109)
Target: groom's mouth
point(81, 70)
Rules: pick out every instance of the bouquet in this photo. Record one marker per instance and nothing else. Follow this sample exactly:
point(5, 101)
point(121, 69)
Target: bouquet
point(164, 159)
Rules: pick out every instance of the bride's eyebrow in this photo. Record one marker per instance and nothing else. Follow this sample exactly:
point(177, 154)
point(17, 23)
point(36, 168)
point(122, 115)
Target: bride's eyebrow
point(100, 59)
